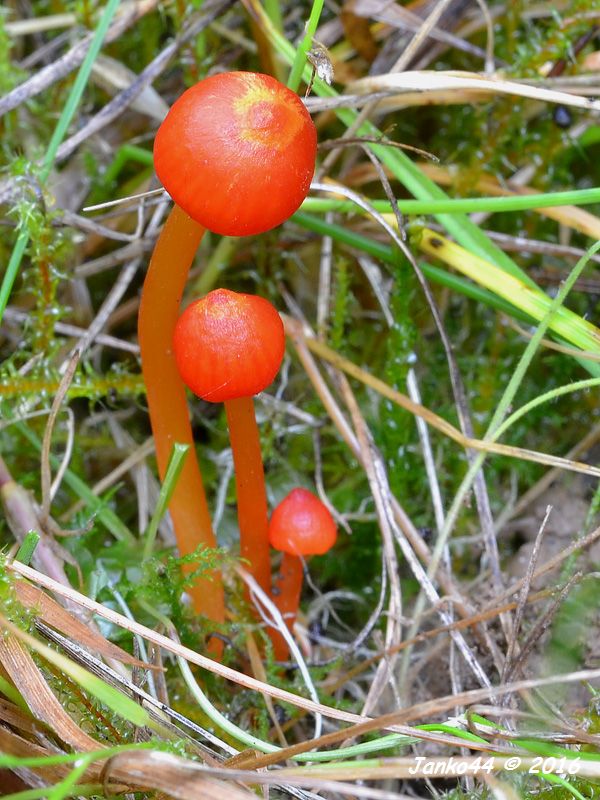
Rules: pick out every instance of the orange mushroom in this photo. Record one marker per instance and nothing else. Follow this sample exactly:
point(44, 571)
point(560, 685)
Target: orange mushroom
point(229, 347)
point(236, 153)
point(301, 525)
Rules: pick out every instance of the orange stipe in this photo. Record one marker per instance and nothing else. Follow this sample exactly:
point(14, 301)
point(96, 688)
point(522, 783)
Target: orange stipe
point(167, 405)
point(286, 596)
point(250, 488)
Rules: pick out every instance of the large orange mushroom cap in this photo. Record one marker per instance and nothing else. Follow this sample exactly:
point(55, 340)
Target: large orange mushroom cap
point(237, 152)
point(302, 525)
point(228, 345)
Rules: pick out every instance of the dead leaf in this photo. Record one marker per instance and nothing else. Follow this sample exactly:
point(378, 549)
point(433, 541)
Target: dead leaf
point(163, 772)
point(42, 702)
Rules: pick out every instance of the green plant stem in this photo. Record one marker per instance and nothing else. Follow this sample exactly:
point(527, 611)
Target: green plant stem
point(66, 786)
point(174, 467)
point(568, 388)
point(299, 61)
point(461, 205)
point(58, 135)
point(382, 743)
point(27, 548)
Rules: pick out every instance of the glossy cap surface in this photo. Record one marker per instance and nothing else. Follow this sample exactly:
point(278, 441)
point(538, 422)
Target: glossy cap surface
point(237, 153)
point(302, 525)
point(228, 345)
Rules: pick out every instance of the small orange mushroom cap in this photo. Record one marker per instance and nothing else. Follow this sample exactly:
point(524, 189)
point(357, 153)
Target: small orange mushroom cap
point(302, 525)
point(237, 152)
point(228, 345)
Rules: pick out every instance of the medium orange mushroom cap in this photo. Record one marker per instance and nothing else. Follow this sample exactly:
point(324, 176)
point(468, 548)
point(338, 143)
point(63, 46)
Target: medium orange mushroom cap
point(228, 345)
point(237, 152)
point(302, 525)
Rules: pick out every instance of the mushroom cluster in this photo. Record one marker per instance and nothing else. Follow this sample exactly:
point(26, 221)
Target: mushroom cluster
point(236, 153)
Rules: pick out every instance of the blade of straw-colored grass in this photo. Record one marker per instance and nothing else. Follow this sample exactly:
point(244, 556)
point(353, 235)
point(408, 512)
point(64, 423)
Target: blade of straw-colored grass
point(52, 613)
point(174, 467)
point(58, 135)
point(531, 301)
point(498, 417)
point(429, 80)
point(42, 703)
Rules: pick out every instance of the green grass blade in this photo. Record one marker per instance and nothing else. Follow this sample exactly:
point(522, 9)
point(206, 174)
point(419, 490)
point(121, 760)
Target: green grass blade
point(530, 299)
point(461, 205)
point(174, 467)
point(27, 548)
point(299, 61)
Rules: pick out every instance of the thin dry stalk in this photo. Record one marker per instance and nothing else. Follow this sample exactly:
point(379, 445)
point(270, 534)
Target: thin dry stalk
point(46, 472)
point(513, 648)
point(380, 490)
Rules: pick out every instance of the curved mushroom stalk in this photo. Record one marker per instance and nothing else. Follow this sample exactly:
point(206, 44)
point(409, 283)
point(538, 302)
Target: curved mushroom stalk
point(167, 403)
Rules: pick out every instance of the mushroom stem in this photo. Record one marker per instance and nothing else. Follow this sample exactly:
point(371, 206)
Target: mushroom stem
point(286, 594)
point(250, 485)
point(167, 405)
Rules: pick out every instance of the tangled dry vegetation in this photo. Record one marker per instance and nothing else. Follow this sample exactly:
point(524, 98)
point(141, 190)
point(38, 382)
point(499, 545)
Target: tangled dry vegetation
point(437, 394)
